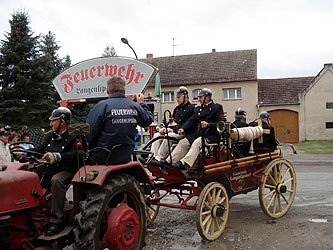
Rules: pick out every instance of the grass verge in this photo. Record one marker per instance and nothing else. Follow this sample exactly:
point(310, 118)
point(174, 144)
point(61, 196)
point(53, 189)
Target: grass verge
point(316, 147)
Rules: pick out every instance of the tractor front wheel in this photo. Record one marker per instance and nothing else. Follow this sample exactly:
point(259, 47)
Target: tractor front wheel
point(112, 216)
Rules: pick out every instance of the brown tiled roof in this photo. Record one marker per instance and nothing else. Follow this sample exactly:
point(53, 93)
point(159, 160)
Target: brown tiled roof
point(240, 65)
point(282, 90)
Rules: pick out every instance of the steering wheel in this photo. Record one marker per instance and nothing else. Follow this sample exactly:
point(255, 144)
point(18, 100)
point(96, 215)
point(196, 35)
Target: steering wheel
point(22, 151)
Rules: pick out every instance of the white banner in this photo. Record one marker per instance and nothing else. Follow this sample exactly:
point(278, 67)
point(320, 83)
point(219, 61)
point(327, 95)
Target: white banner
point(87, 79)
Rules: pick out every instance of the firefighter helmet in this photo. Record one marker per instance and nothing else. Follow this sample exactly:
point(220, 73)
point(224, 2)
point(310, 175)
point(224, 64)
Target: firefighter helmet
point(61, 113)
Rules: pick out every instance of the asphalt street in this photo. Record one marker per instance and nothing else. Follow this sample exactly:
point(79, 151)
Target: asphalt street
point(307, 225)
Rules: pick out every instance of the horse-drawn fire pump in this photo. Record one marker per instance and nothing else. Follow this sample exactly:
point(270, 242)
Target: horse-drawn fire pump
point(221, 174)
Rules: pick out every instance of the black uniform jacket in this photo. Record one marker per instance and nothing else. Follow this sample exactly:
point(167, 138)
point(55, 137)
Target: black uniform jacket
point(63, 144)
point(181, 114)
point(269, 143)
point(239, 124)
point(211, 113)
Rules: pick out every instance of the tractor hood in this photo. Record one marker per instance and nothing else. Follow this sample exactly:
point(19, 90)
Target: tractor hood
point(19, 190)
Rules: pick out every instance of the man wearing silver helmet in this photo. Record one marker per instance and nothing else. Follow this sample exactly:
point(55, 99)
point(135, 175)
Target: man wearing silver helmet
point(59, 151)
point(204, 121)
point(269, 142)
point(181, 114)
point(240, 118)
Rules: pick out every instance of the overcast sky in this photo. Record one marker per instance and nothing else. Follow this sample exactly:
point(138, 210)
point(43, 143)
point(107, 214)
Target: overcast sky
point(293, 37)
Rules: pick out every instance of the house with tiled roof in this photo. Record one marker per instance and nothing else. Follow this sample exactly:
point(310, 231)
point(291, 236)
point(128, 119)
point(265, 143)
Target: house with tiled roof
point(232, 77)
point(280, 97)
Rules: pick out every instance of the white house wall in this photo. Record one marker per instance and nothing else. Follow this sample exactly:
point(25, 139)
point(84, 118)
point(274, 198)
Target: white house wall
point(313, 106)
point(248, 102)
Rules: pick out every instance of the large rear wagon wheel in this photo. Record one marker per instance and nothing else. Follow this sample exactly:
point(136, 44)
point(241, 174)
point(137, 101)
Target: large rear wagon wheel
point(112, 216)
point(212, 211)
point(278, 188)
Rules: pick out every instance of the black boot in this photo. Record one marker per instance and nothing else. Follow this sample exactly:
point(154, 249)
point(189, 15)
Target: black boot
point(54, 229)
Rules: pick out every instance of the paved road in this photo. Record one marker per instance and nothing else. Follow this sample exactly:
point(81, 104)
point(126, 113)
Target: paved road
point(307, 225)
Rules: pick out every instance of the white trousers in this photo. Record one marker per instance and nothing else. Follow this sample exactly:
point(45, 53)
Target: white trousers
point(186, 152)
point(160, 148)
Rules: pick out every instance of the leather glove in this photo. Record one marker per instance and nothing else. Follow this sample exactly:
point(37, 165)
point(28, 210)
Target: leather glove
point(51, 157)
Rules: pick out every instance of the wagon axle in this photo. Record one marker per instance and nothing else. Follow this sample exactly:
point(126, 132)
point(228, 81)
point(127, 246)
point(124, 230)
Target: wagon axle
point(281, 189)
point(218, 210)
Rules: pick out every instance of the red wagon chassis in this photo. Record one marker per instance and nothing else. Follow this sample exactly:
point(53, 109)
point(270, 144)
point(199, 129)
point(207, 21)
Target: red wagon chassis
point(209, 189)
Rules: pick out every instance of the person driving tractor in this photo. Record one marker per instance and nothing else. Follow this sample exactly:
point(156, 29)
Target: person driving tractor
point(59, 151)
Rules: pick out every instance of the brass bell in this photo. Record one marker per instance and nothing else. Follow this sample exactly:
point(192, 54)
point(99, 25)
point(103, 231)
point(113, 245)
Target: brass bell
point(171, 122)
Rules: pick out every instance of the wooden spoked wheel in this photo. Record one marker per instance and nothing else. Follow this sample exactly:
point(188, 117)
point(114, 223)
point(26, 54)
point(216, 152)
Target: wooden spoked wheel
point(212, 211)
point(278, 188)
point(152, 210)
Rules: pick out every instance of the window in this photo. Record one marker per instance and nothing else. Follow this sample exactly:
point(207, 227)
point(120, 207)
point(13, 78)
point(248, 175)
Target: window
point(329, 124)
point(195, 94)
point(230, 94)
point(168, 97)
point(329, 105)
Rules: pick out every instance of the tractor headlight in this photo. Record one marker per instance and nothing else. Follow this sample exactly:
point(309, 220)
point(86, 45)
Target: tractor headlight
point(91, 175)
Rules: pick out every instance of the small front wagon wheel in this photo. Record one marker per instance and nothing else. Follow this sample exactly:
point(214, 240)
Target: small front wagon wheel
point(278, 188)
point(152, 209)
point(212, 211)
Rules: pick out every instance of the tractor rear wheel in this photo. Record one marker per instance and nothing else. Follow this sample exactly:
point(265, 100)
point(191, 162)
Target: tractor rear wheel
point(112, 216)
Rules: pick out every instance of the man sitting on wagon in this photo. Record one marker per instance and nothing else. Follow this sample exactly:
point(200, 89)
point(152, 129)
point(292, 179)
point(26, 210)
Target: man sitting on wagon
point(269, 142)
point(240, 122)
point(240, 119)
point(203, 120)
point(181, 114)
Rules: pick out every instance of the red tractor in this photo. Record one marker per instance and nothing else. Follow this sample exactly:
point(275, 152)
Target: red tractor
point(108, 209)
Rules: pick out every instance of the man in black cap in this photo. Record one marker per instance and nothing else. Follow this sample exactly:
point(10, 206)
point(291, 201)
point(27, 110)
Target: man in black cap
point(4, 149)
point(181, 114)
point(204, 121)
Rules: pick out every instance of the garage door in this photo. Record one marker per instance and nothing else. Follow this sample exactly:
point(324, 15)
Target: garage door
point(285, 123)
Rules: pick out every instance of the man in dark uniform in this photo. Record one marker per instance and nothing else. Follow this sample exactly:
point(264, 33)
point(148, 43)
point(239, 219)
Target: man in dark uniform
point(269, 142)
point(204, 120)
point(242, 147)
point(59, 150)
point(240, 118)
point(113, 121)
point(181, 114)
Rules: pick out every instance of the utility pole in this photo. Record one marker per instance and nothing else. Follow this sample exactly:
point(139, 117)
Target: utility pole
point(174, 45)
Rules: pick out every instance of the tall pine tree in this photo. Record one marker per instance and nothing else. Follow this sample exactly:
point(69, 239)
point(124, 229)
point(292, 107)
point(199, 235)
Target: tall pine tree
point(27, 67)
point(17, 71)
point(51, 66)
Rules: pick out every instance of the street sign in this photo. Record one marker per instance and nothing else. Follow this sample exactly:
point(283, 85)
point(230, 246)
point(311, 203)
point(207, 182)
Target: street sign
point(87, 79)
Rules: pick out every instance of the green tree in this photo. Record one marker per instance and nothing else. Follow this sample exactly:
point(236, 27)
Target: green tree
point(51, 65)
point(19, 73)
point(109, 51)
point(28, 64)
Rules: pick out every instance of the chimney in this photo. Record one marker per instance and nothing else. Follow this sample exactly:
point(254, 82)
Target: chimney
point(213, 50)
point(149, 56)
